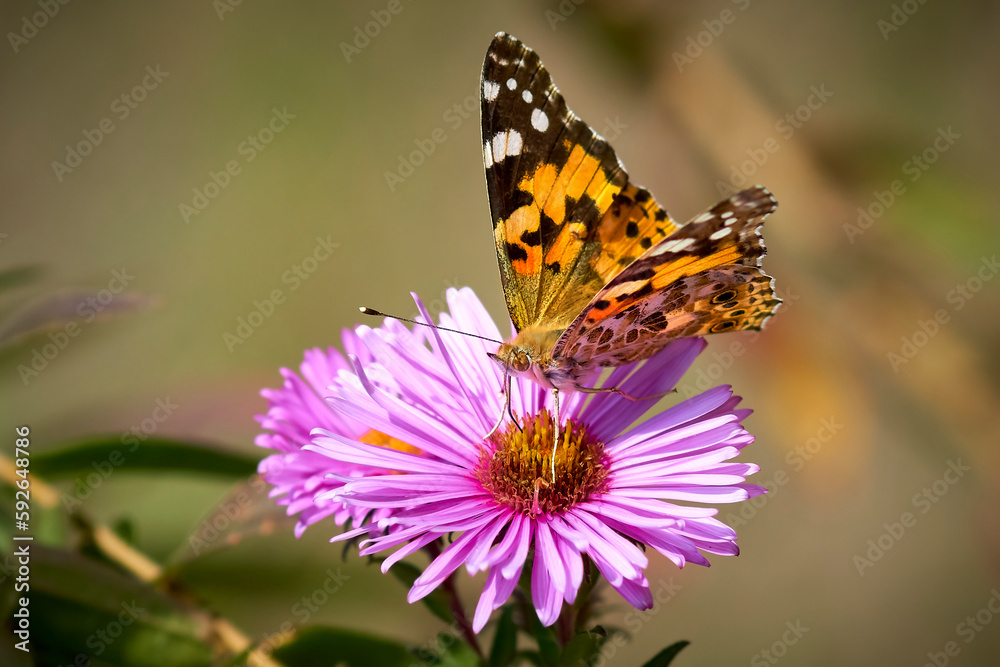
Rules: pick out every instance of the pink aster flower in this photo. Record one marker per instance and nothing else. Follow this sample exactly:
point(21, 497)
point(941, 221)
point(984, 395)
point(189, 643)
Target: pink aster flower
point(300, 477)
point(616, 487)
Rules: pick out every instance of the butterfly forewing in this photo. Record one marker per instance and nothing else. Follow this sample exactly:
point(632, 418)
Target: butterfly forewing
point(565, 218)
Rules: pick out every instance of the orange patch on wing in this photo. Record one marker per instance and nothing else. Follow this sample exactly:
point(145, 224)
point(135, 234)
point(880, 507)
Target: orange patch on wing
point(567, 244)
point(666, 274)
point(689, 266)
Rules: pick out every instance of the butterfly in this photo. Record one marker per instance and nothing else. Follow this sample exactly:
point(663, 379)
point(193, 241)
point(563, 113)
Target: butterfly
point(595, 273)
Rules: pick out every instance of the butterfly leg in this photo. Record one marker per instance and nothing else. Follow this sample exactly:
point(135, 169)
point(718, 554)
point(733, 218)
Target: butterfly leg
point(506, 411)
point(616, 390)
point(555, 440)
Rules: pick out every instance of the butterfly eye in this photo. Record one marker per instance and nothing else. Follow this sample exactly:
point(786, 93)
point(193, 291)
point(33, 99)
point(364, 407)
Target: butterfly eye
point(521, 362)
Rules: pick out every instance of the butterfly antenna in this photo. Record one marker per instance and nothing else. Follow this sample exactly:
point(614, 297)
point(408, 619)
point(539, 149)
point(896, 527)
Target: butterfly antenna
point(379, 313)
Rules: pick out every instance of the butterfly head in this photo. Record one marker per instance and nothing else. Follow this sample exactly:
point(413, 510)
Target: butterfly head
point(514, 359)
point(529, 355)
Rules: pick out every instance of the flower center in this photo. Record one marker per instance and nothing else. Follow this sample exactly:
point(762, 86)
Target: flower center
point(514, 466)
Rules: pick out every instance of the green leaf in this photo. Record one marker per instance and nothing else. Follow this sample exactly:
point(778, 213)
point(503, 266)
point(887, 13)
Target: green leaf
point(436, 601)
point(504, 647)
point(458, 654)
point(548, 645)
point(581, 649)
point(240, 659)
point(319, 647)
point(79, 606)
point(19, 275)
point(105, 454)
point(664, 657)
point(532, 657)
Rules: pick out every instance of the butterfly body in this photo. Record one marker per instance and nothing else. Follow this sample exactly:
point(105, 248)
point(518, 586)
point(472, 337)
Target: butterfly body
point(595, 273)
point(529, 354)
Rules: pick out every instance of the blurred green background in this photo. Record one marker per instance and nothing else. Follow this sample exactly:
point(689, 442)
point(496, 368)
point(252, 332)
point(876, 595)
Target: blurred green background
point(695, 97)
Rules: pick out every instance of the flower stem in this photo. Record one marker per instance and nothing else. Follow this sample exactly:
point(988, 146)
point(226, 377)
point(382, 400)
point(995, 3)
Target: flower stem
point(565, 624)
point(455, 602)
point(458, 611)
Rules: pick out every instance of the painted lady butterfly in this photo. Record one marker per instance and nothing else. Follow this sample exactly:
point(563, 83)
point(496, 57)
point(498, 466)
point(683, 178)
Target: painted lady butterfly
point(594, 272)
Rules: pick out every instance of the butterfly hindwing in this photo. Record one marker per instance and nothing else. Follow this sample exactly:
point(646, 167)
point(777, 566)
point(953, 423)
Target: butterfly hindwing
point(565, 218)
point(704, 278)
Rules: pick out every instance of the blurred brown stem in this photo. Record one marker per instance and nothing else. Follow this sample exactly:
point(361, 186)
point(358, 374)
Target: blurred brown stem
point(133, 560)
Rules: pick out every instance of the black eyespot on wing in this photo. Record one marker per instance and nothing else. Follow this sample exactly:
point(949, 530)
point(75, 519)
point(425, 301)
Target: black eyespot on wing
point(631, 229)
point(722, 297)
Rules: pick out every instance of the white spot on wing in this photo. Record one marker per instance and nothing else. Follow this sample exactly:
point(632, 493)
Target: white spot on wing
point(625, 288)
point(704, 217)
point(511, 83)
point(526, 96)
point(675, 245)
point(499, 146)
point(539, 120)
point(487, 155)
point(490, 90)
point(513, 143)
point(504, 144)
point(721, 233)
